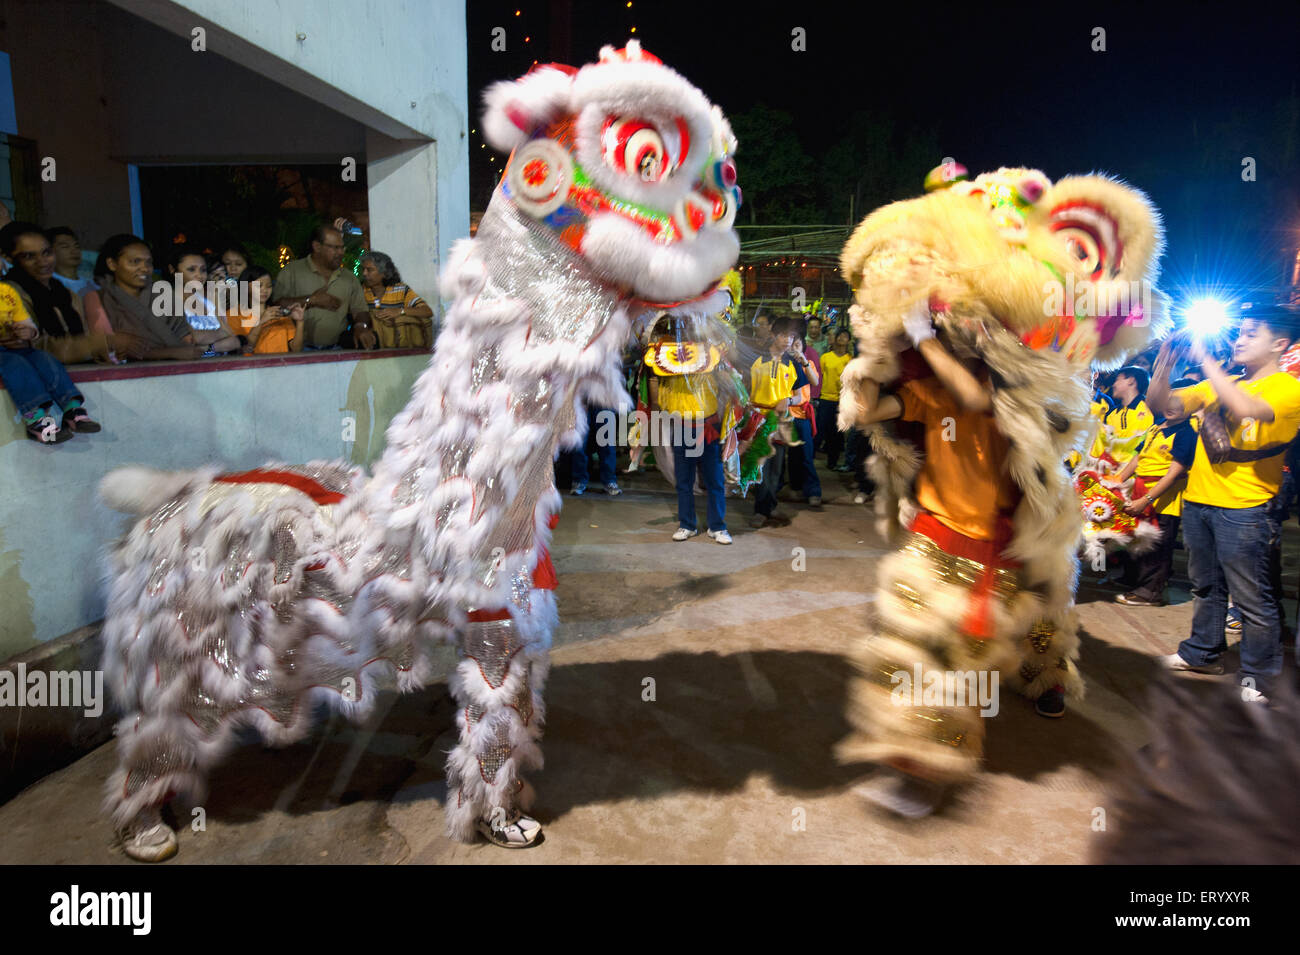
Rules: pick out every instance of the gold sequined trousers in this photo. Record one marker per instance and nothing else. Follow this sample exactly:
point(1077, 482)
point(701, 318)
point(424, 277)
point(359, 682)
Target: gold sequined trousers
point(933, 727)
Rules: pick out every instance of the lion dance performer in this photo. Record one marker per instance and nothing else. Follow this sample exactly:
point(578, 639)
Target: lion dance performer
point(970, 307)
point(243, 599)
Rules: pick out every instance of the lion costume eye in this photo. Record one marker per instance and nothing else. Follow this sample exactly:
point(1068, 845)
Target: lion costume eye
point(1091, 236)
point(636, 147)
point(1083, 246)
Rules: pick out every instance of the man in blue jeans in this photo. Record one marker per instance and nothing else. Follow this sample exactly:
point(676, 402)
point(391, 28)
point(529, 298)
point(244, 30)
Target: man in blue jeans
point(1229, 526)
point(606, 451)
point(688, 404)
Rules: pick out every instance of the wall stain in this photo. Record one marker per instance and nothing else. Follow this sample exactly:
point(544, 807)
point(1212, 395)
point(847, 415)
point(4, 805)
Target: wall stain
point(377, 391)
point(17, 611)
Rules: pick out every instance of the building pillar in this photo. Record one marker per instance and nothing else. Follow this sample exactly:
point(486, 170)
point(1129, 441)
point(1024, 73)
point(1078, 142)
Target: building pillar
point(406, 222)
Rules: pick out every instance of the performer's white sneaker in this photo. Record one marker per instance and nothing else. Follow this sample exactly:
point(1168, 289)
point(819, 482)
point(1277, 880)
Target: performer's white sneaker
point(148, 838)
point(515, 831)
point(722, 537)
point(1174, 661)
point(903, 794)
point(684, 533)
point(1251, 695)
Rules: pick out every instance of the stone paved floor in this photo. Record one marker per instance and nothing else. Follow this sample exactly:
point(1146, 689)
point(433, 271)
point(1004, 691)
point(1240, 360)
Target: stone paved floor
point(733, 753)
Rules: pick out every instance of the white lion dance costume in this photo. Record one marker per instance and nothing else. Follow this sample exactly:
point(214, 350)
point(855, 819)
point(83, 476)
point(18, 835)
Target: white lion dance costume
point(1038, 281)
point(244, 599)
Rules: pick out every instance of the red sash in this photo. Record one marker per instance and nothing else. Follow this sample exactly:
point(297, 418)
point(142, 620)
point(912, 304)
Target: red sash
point(978, 622)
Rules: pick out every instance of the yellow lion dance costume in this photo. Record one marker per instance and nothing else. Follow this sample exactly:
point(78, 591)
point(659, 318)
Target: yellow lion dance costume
point(1032, 284)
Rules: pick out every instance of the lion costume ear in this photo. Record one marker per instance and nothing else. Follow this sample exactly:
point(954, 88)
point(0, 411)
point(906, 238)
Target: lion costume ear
point(1116, 237)
point(1137, 224)
point(516, 109)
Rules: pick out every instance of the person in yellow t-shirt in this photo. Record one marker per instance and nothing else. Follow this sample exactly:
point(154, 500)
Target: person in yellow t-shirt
point(828, 405)
point(773, 380)
point(696, 446)
point(1228, 526)
point(1102, 405)
point(1160, 471)
point(1124, 426)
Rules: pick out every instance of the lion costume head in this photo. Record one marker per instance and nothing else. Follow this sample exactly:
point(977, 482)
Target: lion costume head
point(1042, 282)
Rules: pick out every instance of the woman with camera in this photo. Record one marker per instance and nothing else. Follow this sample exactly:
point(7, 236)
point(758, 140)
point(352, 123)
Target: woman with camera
point(270, 330)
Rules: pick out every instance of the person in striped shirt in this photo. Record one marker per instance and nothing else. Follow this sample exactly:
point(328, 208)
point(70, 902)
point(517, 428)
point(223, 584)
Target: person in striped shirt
point(401, 318)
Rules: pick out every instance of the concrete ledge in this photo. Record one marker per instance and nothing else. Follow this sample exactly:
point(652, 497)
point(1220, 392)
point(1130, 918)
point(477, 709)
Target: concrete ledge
point(37, 740)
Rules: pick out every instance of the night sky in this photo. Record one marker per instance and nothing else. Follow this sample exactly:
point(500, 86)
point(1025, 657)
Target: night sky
point(1180, 96)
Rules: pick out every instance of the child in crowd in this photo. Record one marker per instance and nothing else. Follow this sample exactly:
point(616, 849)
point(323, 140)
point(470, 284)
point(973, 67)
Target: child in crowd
point(36, 381)
point(772, 383)
point(828, 406)
point(800, 460)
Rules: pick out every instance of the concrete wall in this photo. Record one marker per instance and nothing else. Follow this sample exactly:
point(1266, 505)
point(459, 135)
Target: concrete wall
point(53, 529)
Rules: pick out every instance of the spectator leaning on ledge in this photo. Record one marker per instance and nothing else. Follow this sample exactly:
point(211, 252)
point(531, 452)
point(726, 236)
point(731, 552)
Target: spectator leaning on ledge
point(55, 310)
point(68, 266)
point(234, 259)
point(328, 293)
point(123, 271)
point(207, 325)
point(401, 318)
point(270, 329)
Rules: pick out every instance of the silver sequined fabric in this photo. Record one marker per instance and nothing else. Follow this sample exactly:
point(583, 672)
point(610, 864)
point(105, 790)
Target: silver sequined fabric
point(566, 302)
point(492, 645)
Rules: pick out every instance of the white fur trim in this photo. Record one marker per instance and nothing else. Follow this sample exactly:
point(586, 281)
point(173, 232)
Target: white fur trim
point(535, 99)
point(658, 273)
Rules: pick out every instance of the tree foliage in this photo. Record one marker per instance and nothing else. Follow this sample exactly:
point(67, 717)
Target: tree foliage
point(874, 160)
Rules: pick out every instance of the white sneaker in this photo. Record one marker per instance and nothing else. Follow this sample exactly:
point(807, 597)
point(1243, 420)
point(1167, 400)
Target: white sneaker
point(903, 795)
point(722, 537)
point(516, 831)
point(1175, 662)
point(148, 838)
point(859, 498)
point(1251, 695)
point(683, 533)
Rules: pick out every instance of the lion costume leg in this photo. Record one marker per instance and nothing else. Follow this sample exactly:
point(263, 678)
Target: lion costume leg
point(1046, 655)
point(924, 620)
point(498, 689)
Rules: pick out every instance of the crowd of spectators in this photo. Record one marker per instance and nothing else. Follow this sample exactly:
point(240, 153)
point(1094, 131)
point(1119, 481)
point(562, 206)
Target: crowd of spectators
point(57, 308)
point(1209, 440)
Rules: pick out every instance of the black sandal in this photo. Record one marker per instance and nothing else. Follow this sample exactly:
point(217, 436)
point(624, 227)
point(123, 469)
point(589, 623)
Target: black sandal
point(79, 420)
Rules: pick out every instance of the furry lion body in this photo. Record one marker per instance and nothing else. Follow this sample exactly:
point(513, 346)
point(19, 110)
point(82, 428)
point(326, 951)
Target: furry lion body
point(991, 297)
